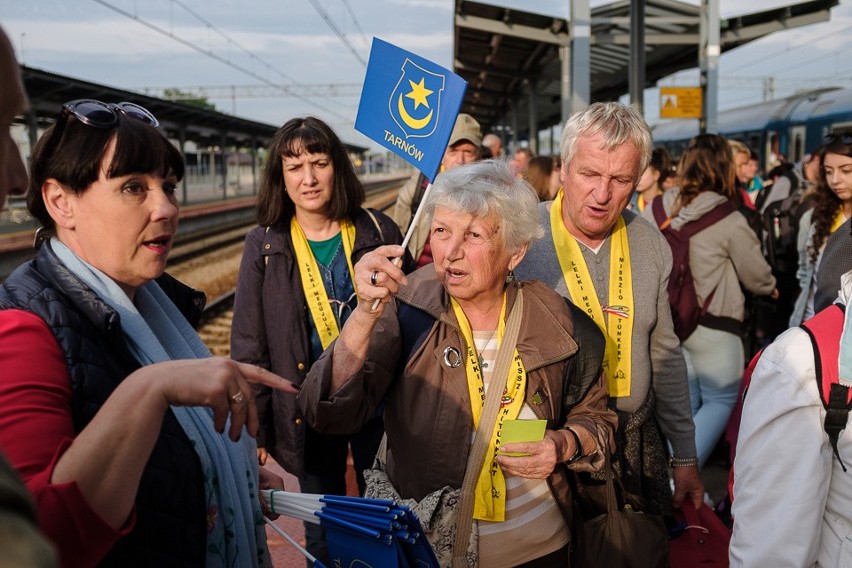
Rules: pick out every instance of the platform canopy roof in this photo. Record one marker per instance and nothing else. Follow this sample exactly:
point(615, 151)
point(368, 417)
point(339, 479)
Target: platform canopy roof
point(47, 92)
point(502, 53)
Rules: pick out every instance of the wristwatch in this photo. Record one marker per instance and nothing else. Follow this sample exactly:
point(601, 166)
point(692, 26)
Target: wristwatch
point(578, 447)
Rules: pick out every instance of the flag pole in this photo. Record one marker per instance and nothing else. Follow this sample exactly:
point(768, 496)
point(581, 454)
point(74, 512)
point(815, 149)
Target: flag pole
point(288, 538)
point(411, 226)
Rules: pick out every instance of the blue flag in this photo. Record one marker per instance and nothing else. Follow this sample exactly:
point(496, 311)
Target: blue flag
point(409, 105)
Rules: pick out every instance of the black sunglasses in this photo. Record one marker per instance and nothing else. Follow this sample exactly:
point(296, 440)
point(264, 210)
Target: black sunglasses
point(98, 115)
point(104, 115)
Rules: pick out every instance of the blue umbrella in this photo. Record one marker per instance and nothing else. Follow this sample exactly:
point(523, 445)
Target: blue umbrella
point(367, 532)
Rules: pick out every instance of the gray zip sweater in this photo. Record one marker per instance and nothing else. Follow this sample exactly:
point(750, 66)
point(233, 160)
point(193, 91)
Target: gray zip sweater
point(657, 360)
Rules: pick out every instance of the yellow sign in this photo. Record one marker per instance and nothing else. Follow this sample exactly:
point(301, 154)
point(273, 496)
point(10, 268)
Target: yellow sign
point(680, 102)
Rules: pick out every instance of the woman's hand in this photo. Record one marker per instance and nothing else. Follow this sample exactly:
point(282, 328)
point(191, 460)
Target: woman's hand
point(269, 480)
point(378, 277)
point(221, 384)
point(539, 462)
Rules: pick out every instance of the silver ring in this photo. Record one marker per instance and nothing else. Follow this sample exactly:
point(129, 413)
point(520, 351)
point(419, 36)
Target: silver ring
point(374, 277)
point(238, 398)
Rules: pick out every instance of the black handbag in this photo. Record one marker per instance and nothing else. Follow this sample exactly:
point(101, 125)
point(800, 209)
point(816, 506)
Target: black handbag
point(620, 537)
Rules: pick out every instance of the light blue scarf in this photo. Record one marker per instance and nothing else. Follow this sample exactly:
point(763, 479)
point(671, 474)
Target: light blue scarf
point(155, 331)
point(844, 364)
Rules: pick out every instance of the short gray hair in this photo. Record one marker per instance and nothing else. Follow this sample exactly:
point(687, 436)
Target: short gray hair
point(617, 124)
point(490, 189)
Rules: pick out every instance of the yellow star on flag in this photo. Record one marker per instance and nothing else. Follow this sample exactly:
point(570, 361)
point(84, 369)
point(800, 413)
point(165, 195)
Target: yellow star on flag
point(418, 93)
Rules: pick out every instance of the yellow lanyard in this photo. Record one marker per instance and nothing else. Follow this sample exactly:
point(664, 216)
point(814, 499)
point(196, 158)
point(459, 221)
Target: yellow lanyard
point(617, 324)
point(315, 293)
point(490, 492)
point(838, 220)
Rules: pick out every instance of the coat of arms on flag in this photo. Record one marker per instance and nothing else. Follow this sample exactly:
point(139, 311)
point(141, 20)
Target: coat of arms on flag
point(415, 103)
point(409, 105)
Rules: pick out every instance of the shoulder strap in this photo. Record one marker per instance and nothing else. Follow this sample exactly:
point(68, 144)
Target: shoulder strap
point(824, 330)
point(716, 214)
point(482, 437)
point(369, 212)
point(659, 212)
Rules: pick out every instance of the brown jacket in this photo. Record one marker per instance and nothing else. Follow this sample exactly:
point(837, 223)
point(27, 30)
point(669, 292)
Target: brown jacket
point(271, 325)
point(427, 405)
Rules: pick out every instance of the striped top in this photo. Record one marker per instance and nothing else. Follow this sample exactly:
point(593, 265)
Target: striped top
point(534, 525)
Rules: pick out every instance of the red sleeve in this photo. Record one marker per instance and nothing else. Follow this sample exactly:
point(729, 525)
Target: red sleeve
point(35, 430)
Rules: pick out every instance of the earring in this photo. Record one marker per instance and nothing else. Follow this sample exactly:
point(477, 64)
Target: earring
point(510, 277)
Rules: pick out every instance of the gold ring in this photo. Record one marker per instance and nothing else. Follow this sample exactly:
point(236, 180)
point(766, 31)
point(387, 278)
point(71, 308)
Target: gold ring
point(238, 398)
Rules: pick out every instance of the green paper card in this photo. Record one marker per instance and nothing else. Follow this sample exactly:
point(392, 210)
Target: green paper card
point(522, 431)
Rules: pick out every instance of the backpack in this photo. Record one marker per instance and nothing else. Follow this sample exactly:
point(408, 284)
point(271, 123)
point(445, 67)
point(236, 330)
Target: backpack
point(824, 331)
point(781, 226)
point(686, 311)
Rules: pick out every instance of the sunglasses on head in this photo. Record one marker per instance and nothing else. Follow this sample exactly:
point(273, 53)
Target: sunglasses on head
point(98, 115)
point(837, 138)
point(105, 115)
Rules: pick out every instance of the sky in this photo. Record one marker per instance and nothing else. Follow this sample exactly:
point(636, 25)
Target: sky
point(155, 44)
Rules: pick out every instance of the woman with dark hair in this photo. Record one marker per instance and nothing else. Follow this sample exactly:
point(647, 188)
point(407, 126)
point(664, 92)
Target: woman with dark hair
point(295, 291)
point(832, 207)
point(540, 174)
point(650, 185)
point(721, 258)
point(114, 411)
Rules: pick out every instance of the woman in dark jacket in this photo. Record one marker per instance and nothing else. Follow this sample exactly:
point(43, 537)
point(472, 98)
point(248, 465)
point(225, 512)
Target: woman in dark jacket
point(295, 291)
point(113, 410)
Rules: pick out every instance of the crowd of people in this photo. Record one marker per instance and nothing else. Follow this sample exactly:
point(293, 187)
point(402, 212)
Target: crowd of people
point(533, 288)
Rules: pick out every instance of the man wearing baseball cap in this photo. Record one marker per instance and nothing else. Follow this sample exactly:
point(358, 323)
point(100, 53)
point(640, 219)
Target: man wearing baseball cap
point(462, 148)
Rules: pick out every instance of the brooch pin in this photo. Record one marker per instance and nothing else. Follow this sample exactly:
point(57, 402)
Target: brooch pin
point(452, 357)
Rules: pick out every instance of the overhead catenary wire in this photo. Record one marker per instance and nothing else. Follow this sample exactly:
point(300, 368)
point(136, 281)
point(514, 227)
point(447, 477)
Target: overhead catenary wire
point(356, 23)
point(321, 11)
point(217, 57)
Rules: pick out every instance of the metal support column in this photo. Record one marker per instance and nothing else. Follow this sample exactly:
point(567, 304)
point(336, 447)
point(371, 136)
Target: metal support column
point(637, 54)
point(533, 117)
point(576, 64)
point(514, 112)
point(708, 59)
point(224, 155)
point(254, 160)
point(184, 184)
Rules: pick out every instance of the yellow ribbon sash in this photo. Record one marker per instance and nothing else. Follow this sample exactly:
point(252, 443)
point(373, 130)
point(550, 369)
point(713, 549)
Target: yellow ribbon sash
point(315, 293)
point(838, 220)
point(490, 493)
point(614, 320)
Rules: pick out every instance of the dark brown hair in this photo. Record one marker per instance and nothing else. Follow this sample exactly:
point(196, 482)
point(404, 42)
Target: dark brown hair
point(538, 175)
point(707, 165)
point(75, 159)
point(826, 202)
point(662, 162)
point(313, 136)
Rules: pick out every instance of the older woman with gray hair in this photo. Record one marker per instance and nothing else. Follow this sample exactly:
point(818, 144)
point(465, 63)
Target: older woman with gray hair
point(428, 352)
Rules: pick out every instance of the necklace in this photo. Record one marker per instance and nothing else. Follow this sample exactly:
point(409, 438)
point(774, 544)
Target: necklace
point(490, 343)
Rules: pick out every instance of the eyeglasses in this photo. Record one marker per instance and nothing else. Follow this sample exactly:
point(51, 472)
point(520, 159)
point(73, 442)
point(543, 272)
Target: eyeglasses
point(104, 115)
point(837, 138)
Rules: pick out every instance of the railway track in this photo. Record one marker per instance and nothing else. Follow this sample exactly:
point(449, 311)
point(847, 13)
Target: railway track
point(215, 326)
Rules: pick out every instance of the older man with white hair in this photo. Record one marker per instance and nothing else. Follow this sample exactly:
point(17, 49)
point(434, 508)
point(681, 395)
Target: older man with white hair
point(615, 266)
